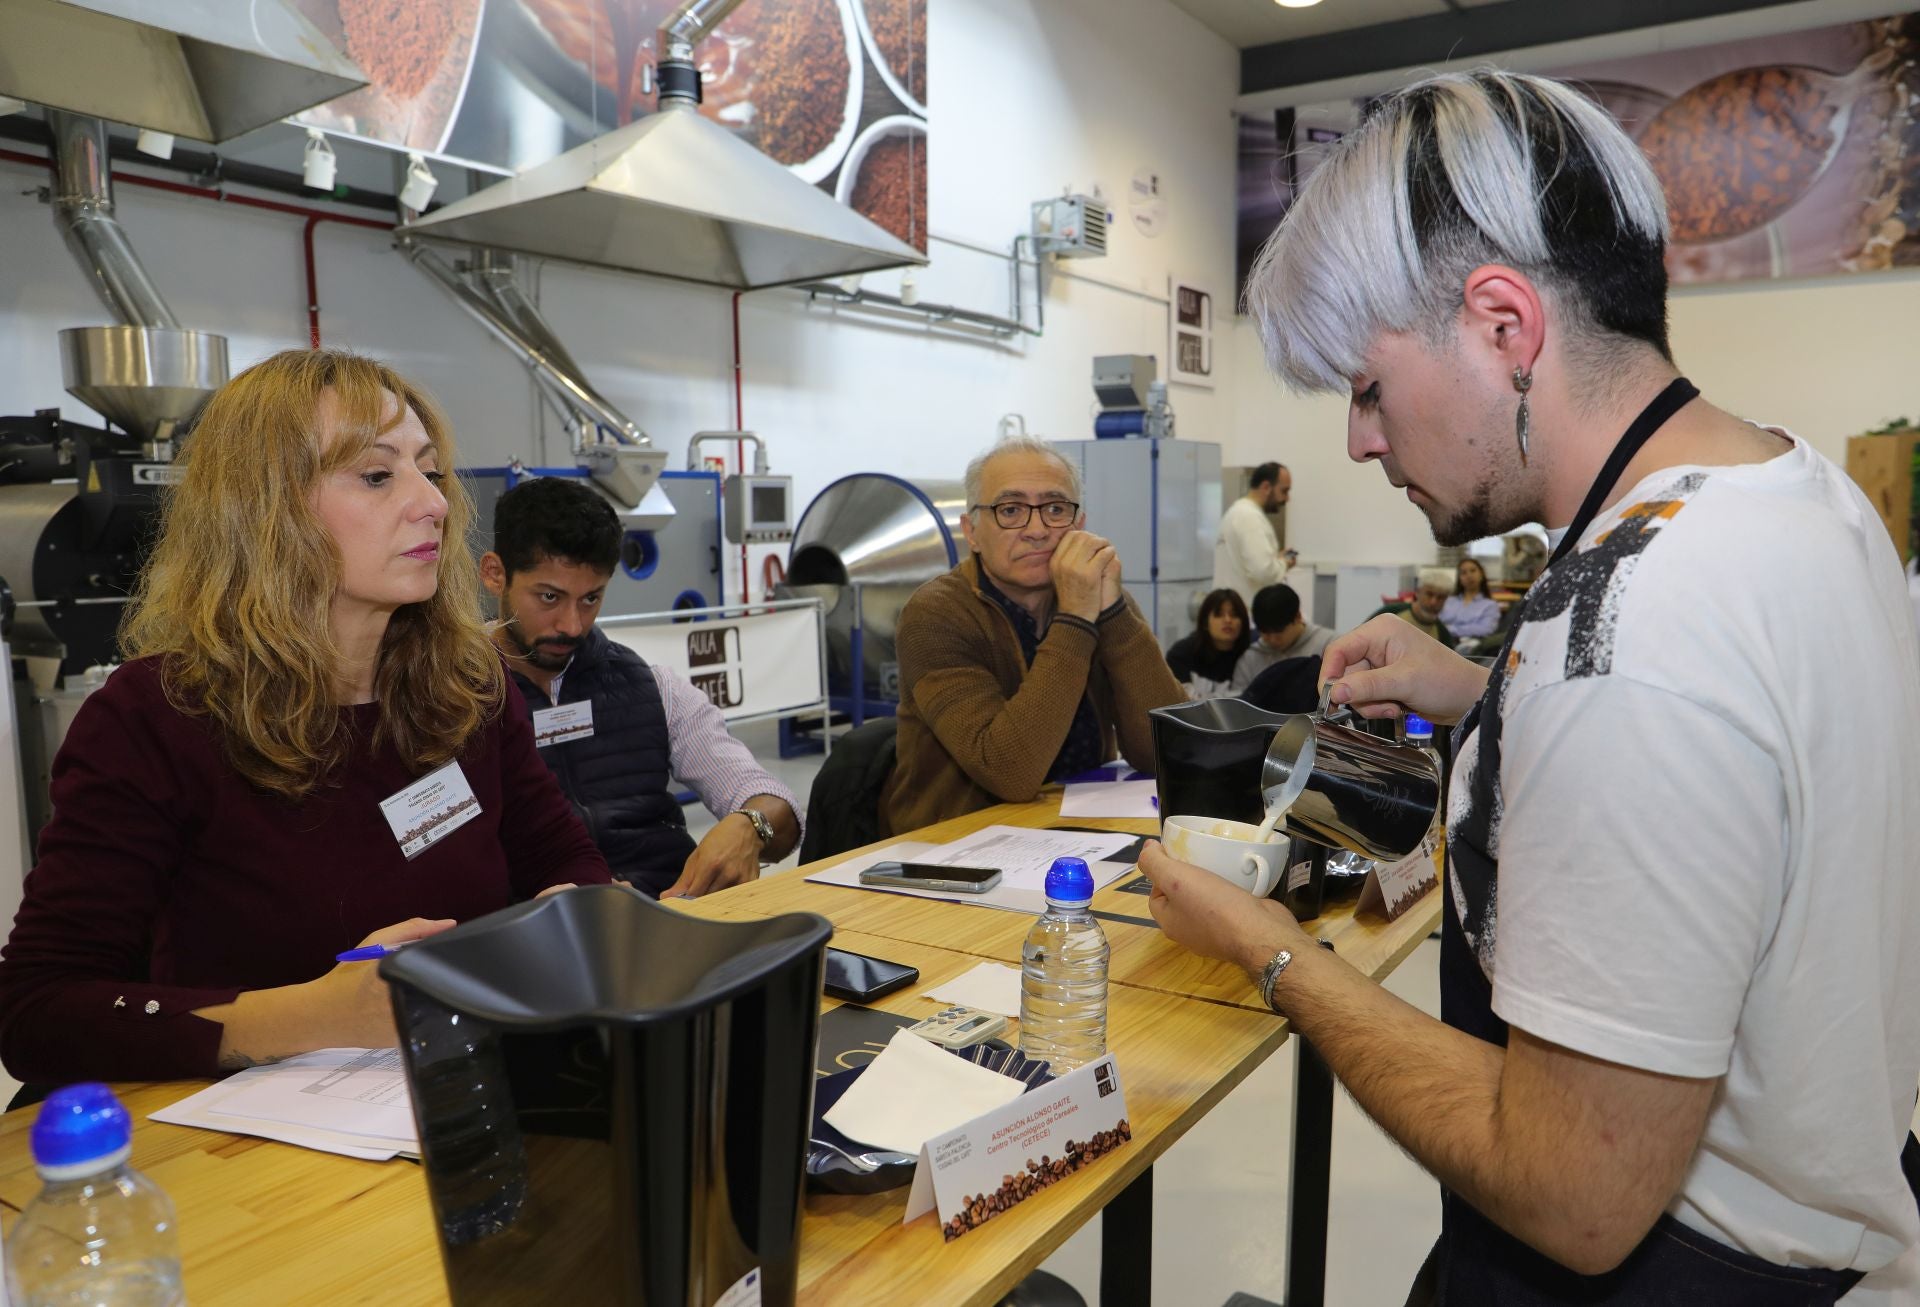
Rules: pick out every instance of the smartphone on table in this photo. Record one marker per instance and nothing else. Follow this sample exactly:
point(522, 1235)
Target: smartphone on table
point(927, 875)
point(858, 978)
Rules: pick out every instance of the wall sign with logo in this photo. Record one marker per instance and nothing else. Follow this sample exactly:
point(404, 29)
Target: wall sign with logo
point(755, 664)
point(1190, 350)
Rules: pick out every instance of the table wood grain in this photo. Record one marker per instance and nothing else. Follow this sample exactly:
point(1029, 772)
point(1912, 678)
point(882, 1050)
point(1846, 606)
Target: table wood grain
point(268, 1222)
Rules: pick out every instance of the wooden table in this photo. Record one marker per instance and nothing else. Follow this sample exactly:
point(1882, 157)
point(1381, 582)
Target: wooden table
point(267, 1222)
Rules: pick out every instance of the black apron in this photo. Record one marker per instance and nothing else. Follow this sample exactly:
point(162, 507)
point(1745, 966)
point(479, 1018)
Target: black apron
point(1475, 1263)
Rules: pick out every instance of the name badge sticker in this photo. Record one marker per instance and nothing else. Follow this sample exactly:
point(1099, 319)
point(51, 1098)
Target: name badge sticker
point(430, 809)
point(562, 722)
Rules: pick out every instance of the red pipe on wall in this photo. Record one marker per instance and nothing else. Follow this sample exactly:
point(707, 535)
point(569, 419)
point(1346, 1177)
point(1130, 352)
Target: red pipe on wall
point(314, 218)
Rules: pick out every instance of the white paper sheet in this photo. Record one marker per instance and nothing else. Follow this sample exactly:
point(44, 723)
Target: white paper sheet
point(914, 1091)
point(339, 1100)
point(1111, 799)
point(991, 987)
point(1022, 854)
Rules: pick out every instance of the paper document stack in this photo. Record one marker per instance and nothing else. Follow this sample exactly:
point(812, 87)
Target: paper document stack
point(351, 1101)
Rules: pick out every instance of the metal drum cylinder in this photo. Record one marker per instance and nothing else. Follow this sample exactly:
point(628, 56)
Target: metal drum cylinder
point(863, 546)
point(42, 556)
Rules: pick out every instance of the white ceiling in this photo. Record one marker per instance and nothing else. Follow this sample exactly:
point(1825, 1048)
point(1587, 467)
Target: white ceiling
point(1257, 22)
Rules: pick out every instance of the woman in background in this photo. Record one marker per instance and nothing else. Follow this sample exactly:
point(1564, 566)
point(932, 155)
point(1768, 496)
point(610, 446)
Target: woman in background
point(312, 747)
point(1203, 661)
point(1469, 612)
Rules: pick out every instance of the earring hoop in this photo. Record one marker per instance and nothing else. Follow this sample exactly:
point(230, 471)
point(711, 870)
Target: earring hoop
point(1523, 419)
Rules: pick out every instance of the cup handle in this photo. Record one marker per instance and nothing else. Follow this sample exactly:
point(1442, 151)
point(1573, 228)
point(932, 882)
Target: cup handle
point(1259, 869)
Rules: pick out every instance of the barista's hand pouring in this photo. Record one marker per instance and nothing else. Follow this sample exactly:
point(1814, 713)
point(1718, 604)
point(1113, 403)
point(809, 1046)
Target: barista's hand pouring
point(1385, 667)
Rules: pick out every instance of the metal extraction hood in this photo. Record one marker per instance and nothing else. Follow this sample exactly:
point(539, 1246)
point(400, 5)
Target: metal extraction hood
point(208, 70)
point(673, 195)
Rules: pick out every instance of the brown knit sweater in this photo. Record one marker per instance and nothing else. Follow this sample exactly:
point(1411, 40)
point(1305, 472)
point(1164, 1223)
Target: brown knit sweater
point(979, 727)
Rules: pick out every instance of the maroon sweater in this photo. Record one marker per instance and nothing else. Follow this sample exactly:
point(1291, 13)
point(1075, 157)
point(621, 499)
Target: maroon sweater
point(167, 882)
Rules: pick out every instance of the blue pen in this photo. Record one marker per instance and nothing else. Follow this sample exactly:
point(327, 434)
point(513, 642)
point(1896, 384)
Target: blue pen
point(370, 952)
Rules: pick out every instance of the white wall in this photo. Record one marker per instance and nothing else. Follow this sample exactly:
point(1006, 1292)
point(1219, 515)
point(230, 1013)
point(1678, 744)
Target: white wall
point(1028, 96)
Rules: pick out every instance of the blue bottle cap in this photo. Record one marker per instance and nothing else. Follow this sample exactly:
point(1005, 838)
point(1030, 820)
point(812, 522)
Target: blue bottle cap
point(1069, 881)
point(79, 1125)
point(1419, 728)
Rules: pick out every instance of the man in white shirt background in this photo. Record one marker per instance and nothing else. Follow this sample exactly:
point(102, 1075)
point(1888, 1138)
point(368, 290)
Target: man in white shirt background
point(1247, 556)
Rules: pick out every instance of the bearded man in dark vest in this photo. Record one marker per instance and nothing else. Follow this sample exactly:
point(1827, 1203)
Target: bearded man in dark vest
point(617, 731)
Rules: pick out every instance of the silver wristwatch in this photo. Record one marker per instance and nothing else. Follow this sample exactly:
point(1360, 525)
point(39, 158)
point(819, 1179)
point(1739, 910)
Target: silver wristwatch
point(761, 826)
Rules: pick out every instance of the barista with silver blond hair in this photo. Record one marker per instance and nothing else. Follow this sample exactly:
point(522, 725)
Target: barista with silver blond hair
point(1681, 948)
point(1027, 662)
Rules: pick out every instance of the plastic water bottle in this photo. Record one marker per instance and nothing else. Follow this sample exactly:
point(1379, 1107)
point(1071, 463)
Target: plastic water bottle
point(1063, 974)
point(1420, 736)
point(99, 1234)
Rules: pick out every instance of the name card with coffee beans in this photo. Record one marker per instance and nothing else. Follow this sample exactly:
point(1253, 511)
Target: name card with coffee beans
point(1391, 889)
point(974, 1172)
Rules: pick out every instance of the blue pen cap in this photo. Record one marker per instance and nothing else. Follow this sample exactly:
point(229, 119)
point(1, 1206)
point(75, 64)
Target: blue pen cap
point(1419, 729)
point(1069, 882)
point(80, 1126)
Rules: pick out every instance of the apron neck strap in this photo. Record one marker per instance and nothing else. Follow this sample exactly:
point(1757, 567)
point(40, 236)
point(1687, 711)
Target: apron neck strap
point(1678, 394)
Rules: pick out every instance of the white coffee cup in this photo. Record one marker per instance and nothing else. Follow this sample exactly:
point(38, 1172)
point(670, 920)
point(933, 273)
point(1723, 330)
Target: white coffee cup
point(1228, 849)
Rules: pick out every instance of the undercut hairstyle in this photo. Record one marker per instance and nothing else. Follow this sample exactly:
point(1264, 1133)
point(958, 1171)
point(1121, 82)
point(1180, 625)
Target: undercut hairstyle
point(235, 599)
point(1213, 603)
point(977, 469)
point(1275, 608)
point(1266, 474)
point(1448, 175)
point(558, 518)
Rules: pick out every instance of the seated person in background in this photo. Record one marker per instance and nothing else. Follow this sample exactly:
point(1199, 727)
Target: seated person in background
point(1429, 596)
point(1203, 661)
point(305, 649)
point(1026, 662)
point(555, 545)
point(1285, 633)
point(1471, 614)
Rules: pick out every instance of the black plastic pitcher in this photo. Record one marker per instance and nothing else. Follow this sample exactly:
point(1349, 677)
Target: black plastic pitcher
point(614, 1098)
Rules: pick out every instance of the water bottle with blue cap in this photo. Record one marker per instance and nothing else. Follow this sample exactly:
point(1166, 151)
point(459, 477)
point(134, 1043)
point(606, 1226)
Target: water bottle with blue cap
point(1063, 974)
point(99, 1233)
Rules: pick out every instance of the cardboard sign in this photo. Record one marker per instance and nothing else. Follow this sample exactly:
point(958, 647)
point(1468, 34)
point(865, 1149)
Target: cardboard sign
point(976, 1171)
point(1391, 890)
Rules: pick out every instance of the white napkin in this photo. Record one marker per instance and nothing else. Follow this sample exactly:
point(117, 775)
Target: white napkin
point(914, 1091)
point(991, 987)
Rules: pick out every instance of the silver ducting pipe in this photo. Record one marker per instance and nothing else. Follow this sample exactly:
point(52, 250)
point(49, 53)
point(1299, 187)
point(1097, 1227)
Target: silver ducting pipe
point(517, 324)
point(691, 24)
point(83, 210)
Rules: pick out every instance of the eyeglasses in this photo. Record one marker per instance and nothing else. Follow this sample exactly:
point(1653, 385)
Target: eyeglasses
point(1012, 515)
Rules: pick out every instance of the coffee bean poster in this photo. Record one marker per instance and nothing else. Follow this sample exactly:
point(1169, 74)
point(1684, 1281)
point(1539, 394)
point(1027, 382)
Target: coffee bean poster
point(1795, 155)
point(836, 90)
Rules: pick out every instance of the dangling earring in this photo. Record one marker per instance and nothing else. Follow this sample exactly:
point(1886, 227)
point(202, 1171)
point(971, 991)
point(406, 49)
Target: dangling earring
point(1523, 420)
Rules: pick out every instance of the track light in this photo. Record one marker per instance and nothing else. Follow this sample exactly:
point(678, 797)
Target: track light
point(317, 172)
point(420, 184)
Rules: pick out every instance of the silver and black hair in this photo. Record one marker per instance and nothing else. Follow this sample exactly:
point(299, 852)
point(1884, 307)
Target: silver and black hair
point(1447, 175)
point(1018, 445)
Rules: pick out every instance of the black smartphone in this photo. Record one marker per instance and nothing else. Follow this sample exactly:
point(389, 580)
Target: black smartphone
point(861, 979)
point(927, 875)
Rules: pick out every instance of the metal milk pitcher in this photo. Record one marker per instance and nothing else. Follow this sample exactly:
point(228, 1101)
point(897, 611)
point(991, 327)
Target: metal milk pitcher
point(1348, 789)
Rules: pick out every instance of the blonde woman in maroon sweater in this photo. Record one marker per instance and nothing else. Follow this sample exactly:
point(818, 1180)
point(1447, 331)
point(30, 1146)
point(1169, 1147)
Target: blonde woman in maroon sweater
point(309, 686)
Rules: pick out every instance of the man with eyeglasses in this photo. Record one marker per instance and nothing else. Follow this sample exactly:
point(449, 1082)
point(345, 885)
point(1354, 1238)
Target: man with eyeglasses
point(1026, 663)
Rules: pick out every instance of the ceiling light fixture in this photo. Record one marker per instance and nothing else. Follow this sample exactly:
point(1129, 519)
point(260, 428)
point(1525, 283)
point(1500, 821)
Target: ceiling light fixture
point(1296, 4)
